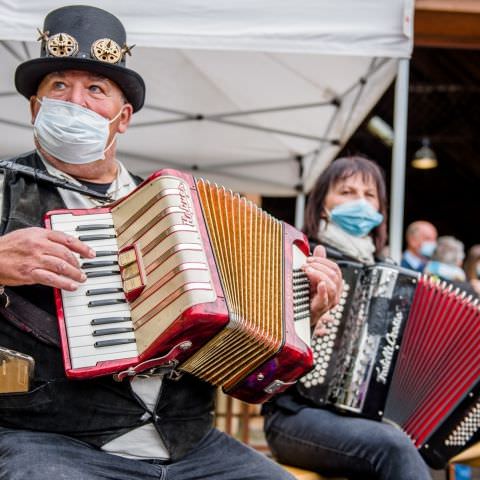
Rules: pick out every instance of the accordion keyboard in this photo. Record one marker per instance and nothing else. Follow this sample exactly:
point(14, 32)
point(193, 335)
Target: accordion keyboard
point(97, 315)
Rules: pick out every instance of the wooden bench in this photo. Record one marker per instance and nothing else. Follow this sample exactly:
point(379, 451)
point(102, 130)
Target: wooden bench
point(301, 474)
point(470, 457)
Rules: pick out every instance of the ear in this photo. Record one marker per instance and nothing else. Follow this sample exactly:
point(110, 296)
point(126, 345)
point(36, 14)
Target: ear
point(34, 108)
point(125, 117)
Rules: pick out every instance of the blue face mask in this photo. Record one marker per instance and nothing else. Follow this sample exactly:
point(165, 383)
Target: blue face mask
point(445, 271)
point(427, 248)
point(357, 217)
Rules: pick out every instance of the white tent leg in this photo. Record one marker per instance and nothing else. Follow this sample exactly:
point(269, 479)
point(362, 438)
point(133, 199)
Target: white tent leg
point(397, 192)
point(299, 210)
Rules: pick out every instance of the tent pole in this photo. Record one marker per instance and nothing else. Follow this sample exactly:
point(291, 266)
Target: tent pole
point(299, 210)
point(397, 189)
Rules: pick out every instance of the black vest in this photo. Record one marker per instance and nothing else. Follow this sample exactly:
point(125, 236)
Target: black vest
point(97, 410)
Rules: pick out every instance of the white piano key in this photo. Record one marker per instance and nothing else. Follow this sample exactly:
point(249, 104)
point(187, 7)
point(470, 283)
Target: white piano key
point(84, 310)
point(106, 244)
point(98, 281)
point(83, 362)
point(66, 218)
point(89, 340)
point(98, 257)
point(72, 230)
point(88, 329)
point(77, 301)
point(82, 289)
point(78, 320)
point(117, 351)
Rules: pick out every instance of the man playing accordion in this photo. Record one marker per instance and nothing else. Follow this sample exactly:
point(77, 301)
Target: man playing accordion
point(81, 96)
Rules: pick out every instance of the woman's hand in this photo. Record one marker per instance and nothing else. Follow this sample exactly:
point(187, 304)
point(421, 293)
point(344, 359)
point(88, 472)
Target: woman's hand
point(322, 326)
point(325, 283)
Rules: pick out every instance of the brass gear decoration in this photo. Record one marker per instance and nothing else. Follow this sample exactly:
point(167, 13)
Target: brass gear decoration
point(62, 45)
point(106, 50)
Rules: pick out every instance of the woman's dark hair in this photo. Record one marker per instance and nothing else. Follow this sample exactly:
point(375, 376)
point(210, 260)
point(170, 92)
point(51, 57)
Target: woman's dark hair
point(470, 265)
point(341, 169)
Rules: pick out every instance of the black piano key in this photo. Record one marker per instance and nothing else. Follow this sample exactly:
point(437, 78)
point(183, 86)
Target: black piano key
point(105, 253)
point(111, 331)
point(83, 228)
point(107, 301)
point(100, 263)
point(103, 291)
point(112, 343)
point(98, 236)
point(102, 273)
point(107, 320)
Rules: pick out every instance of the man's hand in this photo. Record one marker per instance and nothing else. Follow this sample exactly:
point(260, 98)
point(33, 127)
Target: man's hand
point(326, 286)
point(37, 255)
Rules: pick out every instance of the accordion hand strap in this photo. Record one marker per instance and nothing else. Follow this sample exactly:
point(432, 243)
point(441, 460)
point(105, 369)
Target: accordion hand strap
point(29, 318)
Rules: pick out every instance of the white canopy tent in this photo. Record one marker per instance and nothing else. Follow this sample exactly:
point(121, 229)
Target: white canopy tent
point(256, 95)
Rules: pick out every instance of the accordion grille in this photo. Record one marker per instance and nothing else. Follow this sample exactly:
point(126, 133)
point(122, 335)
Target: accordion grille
point(248, 248)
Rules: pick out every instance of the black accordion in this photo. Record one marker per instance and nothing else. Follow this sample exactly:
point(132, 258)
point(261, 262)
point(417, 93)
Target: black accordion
point(405, 348)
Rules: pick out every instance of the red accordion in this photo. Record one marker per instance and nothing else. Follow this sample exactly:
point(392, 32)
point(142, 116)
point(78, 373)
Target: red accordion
point(191, 277)
point(404, 348)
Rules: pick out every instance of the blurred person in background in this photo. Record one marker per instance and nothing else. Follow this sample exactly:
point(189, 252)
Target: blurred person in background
point(421, 237)
point(446, 263)
point(472, 267)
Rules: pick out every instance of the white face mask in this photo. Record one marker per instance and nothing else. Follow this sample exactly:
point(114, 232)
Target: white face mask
point(72, 133)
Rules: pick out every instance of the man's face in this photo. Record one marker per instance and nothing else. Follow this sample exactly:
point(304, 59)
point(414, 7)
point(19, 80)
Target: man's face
point(88, 90)
point(425, 233)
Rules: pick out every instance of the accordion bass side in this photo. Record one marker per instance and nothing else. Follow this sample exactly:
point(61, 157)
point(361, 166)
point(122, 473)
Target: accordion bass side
point(191, 277)
point(404, 348)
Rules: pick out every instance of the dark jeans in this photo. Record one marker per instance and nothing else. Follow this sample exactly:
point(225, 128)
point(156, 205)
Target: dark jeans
point(337, 445)
point(44, 456)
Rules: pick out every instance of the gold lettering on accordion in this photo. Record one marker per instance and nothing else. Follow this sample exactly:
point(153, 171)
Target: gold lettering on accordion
point(185, 205)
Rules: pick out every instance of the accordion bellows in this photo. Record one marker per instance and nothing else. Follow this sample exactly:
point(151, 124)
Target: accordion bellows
point(203, 280)
point(247, 243)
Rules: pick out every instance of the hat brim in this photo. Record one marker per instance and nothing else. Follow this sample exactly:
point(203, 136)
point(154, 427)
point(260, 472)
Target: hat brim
point(30, 73)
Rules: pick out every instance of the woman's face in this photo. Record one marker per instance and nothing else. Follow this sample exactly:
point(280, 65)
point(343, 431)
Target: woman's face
point(351, 188)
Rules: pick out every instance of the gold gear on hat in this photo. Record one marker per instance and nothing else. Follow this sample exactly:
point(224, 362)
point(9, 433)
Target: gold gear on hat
point(106, 50)
point(62, 45)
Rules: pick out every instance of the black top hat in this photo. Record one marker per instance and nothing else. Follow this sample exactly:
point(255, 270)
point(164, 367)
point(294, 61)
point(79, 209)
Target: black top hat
point(81, 37)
